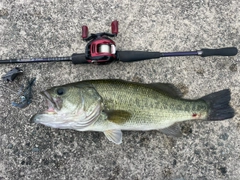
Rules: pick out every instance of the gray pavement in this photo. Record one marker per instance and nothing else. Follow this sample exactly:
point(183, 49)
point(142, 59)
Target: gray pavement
point(208, 150)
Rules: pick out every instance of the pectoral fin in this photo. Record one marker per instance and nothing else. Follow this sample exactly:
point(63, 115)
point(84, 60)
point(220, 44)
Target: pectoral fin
point(114, 135)
point(173, 130)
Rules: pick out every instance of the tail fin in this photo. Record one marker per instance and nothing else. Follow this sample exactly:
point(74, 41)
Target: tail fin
point(219, 105)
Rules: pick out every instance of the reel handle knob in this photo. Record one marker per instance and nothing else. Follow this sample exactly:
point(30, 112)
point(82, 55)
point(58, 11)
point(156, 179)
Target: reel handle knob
point(114, 27)
point(84, 32)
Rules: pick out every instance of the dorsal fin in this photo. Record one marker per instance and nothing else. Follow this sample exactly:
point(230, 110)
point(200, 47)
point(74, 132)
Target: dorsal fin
point(167, 88)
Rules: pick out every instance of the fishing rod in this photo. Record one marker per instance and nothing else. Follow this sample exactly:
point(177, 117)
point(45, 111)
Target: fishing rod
point(100, 49)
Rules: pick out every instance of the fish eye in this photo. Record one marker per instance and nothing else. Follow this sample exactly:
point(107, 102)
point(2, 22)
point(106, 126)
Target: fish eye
point(60, 91)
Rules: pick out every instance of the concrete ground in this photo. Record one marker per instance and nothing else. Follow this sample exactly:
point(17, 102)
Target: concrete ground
point(208, 150)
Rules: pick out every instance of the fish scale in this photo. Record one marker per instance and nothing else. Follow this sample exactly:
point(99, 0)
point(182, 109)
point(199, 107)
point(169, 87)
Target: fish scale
point(110, 106)
point(147, 106)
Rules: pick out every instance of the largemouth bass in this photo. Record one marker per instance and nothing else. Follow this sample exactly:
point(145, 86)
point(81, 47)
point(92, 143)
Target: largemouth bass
point(111, 106)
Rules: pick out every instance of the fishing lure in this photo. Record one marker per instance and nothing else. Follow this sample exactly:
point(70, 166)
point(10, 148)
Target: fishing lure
point(12, 74)
point(26, 98)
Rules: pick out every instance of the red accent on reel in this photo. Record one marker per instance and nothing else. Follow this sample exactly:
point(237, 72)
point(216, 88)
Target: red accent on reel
point(114, 26)
point(84, 32)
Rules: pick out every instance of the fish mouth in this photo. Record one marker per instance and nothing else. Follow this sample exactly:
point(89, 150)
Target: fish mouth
point(53, 104)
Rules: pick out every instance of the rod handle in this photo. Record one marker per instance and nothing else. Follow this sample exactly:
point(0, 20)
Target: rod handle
point(131, 56)
point(79, 58)
point(228, 51)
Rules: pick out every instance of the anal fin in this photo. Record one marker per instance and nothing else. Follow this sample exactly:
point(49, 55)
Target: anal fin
point(173, 130)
